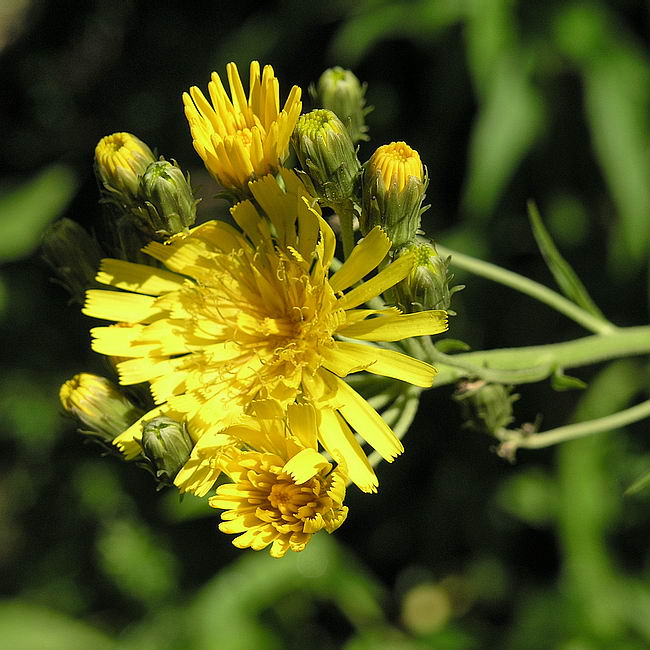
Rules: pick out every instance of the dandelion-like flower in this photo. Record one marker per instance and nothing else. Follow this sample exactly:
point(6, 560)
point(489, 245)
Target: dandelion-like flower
point(281, 492)
point(240, 138)
point(250, 323)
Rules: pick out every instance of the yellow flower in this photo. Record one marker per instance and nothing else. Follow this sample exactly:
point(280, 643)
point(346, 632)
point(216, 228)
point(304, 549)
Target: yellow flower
point(245, 323)
point(242, 138)
point(281, 492)
point(397, 162)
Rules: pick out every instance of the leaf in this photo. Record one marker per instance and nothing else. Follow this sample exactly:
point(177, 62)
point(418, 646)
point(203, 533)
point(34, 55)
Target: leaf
point(566, 278)
point(24, 626)
point(638, 485)
point(562, 382)
point(26, 210)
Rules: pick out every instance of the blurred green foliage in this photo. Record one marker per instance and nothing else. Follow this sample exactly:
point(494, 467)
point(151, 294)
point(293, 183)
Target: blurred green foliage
point(506, 100)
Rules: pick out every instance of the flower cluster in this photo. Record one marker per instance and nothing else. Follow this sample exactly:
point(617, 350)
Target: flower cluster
point(244, 334)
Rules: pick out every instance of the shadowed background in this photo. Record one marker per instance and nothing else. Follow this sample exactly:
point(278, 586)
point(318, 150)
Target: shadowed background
point(505, 100)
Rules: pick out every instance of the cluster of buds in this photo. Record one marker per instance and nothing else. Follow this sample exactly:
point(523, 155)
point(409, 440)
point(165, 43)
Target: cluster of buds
point(154, 194)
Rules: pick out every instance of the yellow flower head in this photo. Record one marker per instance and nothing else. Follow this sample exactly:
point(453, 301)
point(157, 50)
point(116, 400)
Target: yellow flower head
point(239, 137)
point(396, 163)
point(281, 492)
point(121, 159)
point(247, 323)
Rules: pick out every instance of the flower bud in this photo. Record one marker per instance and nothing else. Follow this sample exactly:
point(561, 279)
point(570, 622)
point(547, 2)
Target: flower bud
point(487, 407)
point(120, 160)
point(327, 155)
point(427, 285)
point(98, 405)
point(339, 91)
point(167, 446)
point(73, 255)
point(394, 183)
point(168, 205)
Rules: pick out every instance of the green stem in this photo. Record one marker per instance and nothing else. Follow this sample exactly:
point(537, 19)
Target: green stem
point(346, 212)
point(530, 288)
point(536, 362)
point(515, 440)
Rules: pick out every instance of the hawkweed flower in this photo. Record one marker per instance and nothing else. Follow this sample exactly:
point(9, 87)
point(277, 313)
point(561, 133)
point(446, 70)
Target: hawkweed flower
point(120, 161)
point(248, 323)
point(98, 405)
point(394, 183)
point(242, 137)
point(282, 492)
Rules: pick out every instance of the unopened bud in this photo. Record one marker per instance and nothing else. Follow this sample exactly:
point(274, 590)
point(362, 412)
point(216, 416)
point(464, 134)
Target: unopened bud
point(487, 407)
point(98, 404)
point(73, 255)
point(167, 446)
point(340, 91)
point(120, 160)
point(327, 155)
point(167, 203)
point(427, 285)
point(394, 183)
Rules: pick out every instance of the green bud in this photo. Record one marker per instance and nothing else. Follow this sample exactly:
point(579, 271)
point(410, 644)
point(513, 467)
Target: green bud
point(394, 184)
point(341, 92)
point(120, 160)
point(167, 205)
point(487, 407)
point(167, 446)
point(73, 255)
point(327, 155)
point(99, 406)
point(427, 285)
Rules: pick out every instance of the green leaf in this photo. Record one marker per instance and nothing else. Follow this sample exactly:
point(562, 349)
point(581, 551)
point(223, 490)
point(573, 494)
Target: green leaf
point(562, 382)
point(638, 485)
point(24, 626)
point(566, 278)
point(26, 210)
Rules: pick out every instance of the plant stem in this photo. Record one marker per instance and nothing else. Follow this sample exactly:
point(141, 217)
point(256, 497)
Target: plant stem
point(530, 288)
point(515, 440)
point(536, 362)
point(346, 213)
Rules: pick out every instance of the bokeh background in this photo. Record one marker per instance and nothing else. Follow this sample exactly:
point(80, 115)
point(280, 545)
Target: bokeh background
point(505, 100)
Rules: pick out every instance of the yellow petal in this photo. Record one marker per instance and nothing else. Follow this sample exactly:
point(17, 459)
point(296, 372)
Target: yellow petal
point(302, 422)
point(365, 257)
point(118, 306)
point(396, 328)
point(305, 465)
point(342, 446)
point(380, 361)
point(368, 423)
point(385, 279)
point(138, 277)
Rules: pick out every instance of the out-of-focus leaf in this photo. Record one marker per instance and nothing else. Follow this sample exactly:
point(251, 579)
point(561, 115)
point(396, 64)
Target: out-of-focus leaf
point(176, 508)
point(138, 563)
point(24, 626)
point(530, 495)
point(566, 278)
point(616, 76)
point(561, 382)
point(376, 21)
point(509, 122)
point(26, 210)
point(638, 485)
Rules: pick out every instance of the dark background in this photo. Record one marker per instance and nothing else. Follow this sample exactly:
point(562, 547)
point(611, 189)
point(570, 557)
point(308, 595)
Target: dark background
point(505, 100)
